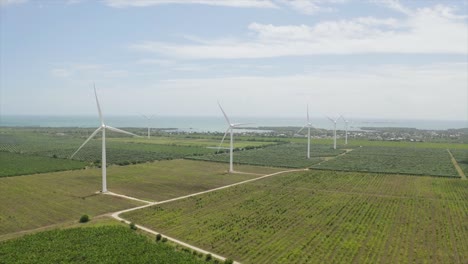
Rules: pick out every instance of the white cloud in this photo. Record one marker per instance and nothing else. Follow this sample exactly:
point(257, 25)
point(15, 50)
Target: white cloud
point(310, 7)
point(389, 91)
point(395, 5)
point(228, 3)
point(12, 2)
point(436, 29)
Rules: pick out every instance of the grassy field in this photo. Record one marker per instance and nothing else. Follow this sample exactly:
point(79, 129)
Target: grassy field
point(105, 244)
point(169, 179)
point(283, 155)
point(417, 161)
point(13, 164)
point(324, 217)
point(44, 199)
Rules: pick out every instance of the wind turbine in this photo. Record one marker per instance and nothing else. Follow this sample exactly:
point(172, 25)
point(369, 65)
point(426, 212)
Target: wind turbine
point(346, 129)
point(102, 128)
point(231, 127)
point(308, 125)
point(149, 119)
point(334, 130)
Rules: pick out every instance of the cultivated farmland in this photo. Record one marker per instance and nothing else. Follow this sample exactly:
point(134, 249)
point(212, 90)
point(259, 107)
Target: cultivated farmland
point(51, 198)
point(283, 155)
point(324, 217)
point(416, 161)
point(106, 244)
point(461, 156)
point(13, 164)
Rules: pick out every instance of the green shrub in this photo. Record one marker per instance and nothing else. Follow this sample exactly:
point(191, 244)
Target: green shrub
point(228, 261)
point(158, 237)
point(208, 257)
point(133, 226)
point(84, 218)
point(164, 240)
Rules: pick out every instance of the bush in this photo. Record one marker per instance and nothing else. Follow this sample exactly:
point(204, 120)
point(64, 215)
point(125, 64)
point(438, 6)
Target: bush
point(208, 257)
point(84, 218)
point(164, 240)
point(228, 261)
point(133, 226)
point(158, 237)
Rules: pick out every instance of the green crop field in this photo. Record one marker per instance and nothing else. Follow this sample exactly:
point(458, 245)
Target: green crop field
point(461, 156)
point(417, 161)
point(13, 164)
point(283, 155)
point(106, 244)
point(193, 142)
point(324, 217)
point(49, 198)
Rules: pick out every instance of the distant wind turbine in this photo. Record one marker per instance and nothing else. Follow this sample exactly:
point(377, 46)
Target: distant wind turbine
point(346, 129)
point(334, 130)
point(308, 125)
point(102, 128)
point(149, 119)
point(231, 127)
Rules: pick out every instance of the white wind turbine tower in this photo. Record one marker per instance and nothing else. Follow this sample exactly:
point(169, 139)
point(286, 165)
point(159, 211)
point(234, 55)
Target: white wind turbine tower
point(334, 130)
point(102, 128)
point(346, 129)
point(308, 125)
point(149, 119)
point(230, 129)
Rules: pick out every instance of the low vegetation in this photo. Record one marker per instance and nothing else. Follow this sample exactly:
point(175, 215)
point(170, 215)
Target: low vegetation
point(283, 155)
point(324, 217)
point(106, 244)
point(13, 164)
point(52, 198)
point(416, 161)
point(461, 156)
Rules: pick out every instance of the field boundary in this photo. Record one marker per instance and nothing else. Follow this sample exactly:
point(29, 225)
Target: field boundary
point(334, 157)
point(393, 173)
point(457, 167)
point(116, 215)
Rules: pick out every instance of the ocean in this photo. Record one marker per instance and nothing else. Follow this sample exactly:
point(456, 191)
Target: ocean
point(215, 123)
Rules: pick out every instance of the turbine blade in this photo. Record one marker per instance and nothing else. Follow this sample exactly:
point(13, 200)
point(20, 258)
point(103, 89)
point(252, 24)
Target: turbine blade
point(329, 118)
point(222, 140)
point(98, 106)
point(224, 113)
point(145, 116)
point(300, 130)
point(121, 131)
point(86, 141)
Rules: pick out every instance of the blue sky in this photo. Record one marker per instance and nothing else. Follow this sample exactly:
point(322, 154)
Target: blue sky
point(362, 58)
